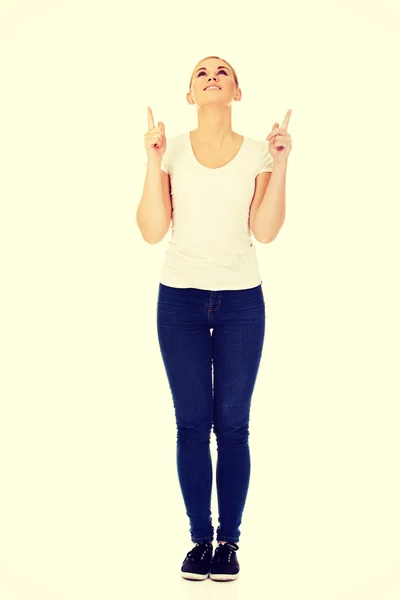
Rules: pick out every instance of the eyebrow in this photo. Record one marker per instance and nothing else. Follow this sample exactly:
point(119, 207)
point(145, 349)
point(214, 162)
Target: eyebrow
point(220, 67)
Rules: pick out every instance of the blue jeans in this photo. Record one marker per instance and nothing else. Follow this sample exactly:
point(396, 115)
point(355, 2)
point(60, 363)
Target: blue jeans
point(192, 354)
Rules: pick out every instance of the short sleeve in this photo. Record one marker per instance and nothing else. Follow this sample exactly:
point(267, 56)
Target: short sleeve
point(266, 160)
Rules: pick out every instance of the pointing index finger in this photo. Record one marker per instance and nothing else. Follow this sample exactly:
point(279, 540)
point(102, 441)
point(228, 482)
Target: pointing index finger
point(286, 119)
point(150, 119)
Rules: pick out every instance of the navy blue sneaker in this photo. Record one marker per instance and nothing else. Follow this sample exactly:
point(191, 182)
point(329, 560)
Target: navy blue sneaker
point(224, 564)
point(197, 561)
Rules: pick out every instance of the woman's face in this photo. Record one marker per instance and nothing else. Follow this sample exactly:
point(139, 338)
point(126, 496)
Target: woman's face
point(212, 71)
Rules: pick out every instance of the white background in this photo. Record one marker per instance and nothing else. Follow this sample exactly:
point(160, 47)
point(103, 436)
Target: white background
point(90, 505)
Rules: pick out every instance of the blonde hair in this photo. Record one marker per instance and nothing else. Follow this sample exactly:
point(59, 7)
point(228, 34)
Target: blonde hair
point(219, 58)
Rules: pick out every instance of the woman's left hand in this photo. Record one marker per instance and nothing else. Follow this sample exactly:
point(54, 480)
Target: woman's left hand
point(280, 141)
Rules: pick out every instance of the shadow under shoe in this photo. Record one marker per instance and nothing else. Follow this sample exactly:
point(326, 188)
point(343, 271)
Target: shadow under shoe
point(197, 562)
point(225, 565)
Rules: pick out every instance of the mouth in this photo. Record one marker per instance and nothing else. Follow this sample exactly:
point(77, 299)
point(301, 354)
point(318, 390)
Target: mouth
point(213, 87)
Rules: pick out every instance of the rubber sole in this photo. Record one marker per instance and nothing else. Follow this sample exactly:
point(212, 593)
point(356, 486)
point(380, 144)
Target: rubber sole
point(223, 576)
point(194, 576)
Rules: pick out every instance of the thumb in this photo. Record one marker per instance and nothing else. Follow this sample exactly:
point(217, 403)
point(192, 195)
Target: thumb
point(161, 126)
point(270, 136)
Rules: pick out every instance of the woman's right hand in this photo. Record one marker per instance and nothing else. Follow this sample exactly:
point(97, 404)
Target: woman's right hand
point(154, 139)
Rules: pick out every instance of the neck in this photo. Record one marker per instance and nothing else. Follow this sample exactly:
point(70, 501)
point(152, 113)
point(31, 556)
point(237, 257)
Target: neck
point(214, 126)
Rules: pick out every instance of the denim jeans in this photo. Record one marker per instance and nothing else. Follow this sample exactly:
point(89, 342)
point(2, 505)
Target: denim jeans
point(211, 376)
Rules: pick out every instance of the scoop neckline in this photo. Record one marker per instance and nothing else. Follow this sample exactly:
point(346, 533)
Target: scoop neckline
point(217, 168)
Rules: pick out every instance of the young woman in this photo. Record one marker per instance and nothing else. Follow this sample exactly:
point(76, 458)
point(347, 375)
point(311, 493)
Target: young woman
point(211, 313)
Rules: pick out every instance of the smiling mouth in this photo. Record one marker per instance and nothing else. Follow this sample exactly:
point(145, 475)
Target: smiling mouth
point(213, 88)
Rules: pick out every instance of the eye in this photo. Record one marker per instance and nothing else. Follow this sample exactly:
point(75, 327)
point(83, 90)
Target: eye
point(220, 71)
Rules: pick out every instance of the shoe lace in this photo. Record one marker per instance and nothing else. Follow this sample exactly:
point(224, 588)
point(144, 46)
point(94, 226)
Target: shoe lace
point(224, 548)
point(199, 551)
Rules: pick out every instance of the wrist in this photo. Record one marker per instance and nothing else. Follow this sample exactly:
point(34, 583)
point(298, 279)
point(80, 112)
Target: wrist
point(279, 165)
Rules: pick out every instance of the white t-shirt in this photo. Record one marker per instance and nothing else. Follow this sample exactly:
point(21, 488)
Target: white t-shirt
point(210, 247)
